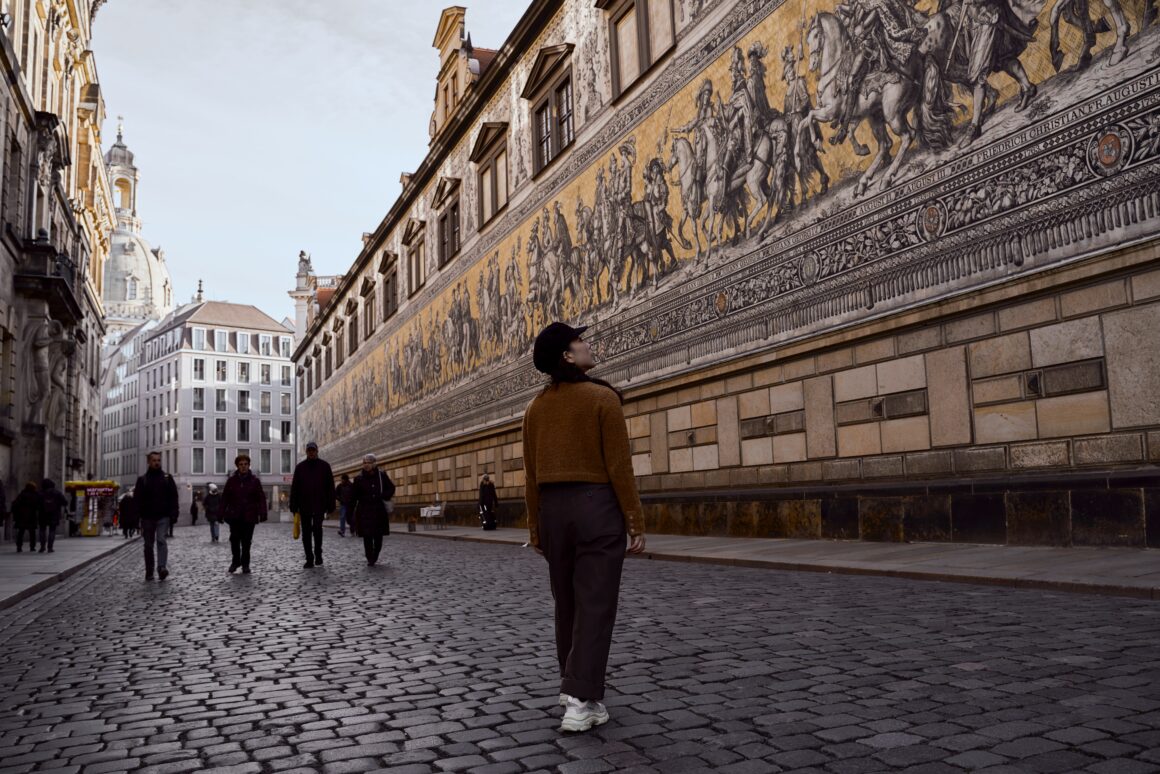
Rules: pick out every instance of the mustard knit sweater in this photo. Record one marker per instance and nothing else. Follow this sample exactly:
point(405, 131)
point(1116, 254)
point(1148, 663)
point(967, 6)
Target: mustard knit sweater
point(575, 432)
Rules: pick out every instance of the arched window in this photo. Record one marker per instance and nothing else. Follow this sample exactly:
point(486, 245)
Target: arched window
point(124, 194)
point(131, 289)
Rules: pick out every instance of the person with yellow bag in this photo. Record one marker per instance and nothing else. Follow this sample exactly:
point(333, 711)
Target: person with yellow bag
point(296, 531)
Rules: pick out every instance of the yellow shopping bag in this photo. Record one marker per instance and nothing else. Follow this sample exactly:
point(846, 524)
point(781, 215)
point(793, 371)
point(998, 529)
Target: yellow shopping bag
point(297, 525)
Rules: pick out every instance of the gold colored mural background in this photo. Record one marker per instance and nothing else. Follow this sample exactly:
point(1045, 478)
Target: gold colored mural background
point(789, 126)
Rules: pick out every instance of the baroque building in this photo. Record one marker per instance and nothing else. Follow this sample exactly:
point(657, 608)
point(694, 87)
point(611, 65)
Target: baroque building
point(56, 211)
point(137, 284)
point(857, 281)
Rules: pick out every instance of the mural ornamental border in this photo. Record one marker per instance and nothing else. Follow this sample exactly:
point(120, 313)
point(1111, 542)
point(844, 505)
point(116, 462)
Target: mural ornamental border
point(1058, 188)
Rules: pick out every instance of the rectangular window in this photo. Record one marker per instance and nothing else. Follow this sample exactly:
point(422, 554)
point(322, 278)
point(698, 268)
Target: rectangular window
point(198, 370)
point(243, 431)
point(352, 335)
point(264, 456)
point(244, 401)
point(243, 342)
point(285, 436)
point(265, 345)
point(199, 399)
point(369, 316)
point(221, 370)
point(265, 403)
point(219, 461)
point(221, 341)
point(199, 339)
point(219, 429)
point(199, 428)
point(244, 372)
point(416, 268)
point(266, 369)
point(390, 293)
point(286, 467)
point(285, 376)
point(198, 465)
point(449, 232)
point(264, 431)
point(553, 120)
point(220, 400)
point(285, 346)
point(285, 397)
point(641, 33)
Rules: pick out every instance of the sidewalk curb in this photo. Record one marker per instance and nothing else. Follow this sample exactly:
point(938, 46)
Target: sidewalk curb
point(1107, 590)
point(64, 575)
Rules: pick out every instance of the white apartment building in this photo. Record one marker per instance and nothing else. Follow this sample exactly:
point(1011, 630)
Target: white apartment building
point(121, 453)
point(217, 380)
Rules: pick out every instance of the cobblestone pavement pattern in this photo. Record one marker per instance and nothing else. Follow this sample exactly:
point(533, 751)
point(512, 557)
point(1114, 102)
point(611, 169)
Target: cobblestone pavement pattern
point(441, 661)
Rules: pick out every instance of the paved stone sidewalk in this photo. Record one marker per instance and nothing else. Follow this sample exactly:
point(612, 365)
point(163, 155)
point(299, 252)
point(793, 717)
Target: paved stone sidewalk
point(441, 661)
point(25, 573)
point(1126, 572)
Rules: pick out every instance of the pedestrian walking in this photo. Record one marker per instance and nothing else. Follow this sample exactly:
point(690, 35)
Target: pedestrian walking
point(488, 502)
point(212, 504)
point(155, 496)
point(372, 493)
point(581, 498)
point(193, 509)
point(243, 507)
point(26, 515)
point(52, 505)
point(343, 493)
point(127, 515)
point(312, 497)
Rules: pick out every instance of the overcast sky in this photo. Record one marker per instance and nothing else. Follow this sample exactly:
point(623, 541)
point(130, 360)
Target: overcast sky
point(265, 127)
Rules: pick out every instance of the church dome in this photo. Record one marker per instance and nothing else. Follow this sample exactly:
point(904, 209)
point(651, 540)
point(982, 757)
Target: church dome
point(137, 282)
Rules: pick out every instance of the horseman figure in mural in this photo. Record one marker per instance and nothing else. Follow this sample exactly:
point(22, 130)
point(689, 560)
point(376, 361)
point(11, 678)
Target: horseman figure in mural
point(803, 132)
point(974, 38)
point(866, 79)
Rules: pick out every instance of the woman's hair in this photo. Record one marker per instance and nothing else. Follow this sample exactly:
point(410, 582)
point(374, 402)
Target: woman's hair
point(570, 372)
point(241, 457)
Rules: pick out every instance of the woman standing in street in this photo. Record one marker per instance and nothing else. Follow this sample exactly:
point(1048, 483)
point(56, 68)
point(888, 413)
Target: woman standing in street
point(370, 498)
point(243, 506)
point(582, 499)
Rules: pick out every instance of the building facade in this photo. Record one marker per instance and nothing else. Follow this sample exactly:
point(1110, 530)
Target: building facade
point(215, 380)
point(122, 457)
point(858, 281)
point(56, 213)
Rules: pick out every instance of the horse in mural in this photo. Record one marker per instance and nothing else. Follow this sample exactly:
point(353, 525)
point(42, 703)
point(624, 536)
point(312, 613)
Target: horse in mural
point(885, 99)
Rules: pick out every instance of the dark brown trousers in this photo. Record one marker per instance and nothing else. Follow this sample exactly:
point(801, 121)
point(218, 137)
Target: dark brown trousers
point(582, 535)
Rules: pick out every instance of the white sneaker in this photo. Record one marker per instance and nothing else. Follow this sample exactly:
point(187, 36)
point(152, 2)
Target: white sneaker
point(583, 715)
point(564, 699)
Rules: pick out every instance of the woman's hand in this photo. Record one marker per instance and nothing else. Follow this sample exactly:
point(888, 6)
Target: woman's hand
point(636, 544)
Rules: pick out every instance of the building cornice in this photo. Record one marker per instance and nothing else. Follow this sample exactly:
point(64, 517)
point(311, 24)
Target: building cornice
point(459, 125)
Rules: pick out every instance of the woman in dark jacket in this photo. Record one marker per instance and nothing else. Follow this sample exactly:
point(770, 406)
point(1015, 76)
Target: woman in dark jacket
point(488, 502)
point(25, 514)
point(53, 504)
point(243, 506)
point(127, 515)
point(369, 497)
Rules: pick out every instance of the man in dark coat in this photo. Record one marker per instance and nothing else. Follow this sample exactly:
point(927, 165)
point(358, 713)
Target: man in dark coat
point(488, 502)
point(52, 508)
point(157, 507)
point(212, 504)
point(243, 507)
point(26, 514)
point(127, 515)
point(312, 497)
point(371, 494)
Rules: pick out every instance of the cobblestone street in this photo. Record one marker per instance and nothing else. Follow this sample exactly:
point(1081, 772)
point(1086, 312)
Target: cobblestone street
point(442, 661)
